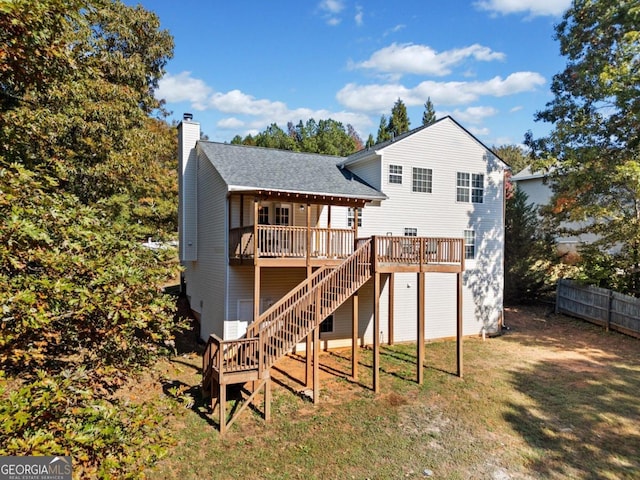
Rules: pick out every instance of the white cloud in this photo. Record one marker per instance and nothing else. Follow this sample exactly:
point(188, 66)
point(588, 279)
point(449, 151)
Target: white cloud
point(532, 7)
point(379, 97)
point(359, 18)
point(472, 115)
point(230, 123)
point(331, 9)
point(478, 132)
point(182, 87)
point(395, 29)
point(424, 60)
point(331, 6)
point(515, 109)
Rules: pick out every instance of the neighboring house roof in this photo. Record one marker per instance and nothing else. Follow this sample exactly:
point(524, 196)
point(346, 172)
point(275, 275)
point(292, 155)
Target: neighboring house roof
point(366, 152)
point(528, 174)
point(246, 168)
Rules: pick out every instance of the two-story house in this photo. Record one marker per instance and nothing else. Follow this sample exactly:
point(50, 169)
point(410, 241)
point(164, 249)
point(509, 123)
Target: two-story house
point(399, 242)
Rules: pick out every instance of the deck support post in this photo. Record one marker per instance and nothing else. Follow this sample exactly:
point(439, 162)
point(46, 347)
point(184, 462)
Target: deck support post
point(354, 336)
point(308, 361)
point(222, 404)
point(420, 332)
point(267, 399)
point(376, 332)
point(316, 364)
point(392, 279)
point(459, 325)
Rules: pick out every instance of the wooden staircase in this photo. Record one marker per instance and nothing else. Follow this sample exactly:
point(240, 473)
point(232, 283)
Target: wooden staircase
point(279, 329)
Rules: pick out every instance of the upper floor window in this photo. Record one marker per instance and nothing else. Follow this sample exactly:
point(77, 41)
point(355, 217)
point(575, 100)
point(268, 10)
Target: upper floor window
point(422, 179)
point(469, 244)
point(410, 232)
point(470, 187)
point(351, 215)
point(395, 174)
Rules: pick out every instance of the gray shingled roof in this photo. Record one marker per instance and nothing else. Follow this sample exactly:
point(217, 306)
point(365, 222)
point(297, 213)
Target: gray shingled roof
point(254, 168)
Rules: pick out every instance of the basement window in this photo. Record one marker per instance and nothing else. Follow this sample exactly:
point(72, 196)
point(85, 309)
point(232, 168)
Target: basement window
point(469, 244)
point(327, 325)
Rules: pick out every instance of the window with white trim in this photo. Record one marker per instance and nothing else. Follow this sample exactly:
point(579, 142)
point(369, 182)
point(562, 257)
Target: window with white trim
point(422, 179)
point(351, 216)
point(469, 187)
point(469, 244)
point(410, 232)
point(395, 174)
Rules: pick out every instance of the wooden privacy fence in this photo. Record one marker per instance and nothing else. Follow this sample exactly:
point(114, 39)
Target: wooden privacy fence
point(601, 306)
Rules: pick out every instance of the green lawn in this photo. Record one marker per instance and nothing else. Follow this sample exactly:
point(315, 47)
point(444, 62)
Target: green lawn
point(552, 398)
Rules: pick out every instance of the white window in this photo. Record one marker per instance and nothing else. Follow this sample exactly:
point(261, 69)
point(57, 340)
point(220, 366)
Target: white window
point(477, 187)
point(469, 187)
point(351, 215)
point(469, 244)
point(395, 174)
point(422, 179)
point(410, 232)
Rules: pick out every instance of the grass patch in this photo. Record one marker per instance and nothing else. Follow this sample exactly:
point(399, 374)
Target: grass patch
point(553, 398)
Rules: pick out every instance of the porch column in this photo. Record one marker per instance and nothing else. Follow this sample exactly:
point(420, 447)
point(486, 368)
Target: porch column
point(376, 332)
point(316, 364)
point(420, 336)
point(256, 269)
point(392, 279)
point(308, 363)
point(328, 239)
point(354, 336)
point(308, 251)
point(459, 326)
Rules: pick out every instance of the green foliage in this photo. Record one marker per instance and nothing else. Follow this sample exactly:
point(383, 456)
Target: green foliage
point(383, 131)
point(64, 415)
point(429, 114)
point(74, 287)
point(594, 146)
point(515, 156)
point(328, 137)
point(85, 175)
point(527, 252)
point(399, 120)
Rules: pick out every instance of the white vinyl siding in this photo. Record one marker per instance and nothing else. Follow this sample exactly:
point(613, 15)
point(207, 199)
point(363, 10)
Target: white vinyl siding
point(439, 215)
point(207, 277)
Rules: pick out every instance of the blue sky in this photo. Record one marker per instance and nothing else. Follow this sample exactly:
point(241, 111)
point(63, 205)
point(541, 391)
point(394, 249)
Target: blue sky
point(239, 66)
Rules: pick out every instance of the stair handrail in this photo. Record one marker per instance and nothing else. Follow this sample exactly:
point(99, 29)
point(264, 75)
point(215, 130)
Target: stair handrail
point(277, 308)
point(294, 324)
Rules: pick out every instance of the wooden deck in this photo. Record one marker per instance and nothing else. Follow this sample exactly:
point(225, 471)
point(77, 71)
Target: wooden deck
point(346, 265)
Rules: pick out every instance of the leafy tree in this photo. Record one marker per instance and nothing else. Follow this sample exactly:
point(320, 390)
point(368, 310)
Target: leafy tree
point(515, 156)
point(429, 114)
point(526, 251)
point(399, 120)
point(328, 137)
point(383, 131)
point(370, 141)
point(86, 172)
point(274, 137)
point(594, 145)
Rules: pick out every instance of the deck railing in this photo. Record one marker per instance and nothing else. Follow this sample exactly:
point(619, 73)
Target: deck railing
point(419, 250)
point(290, 242)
